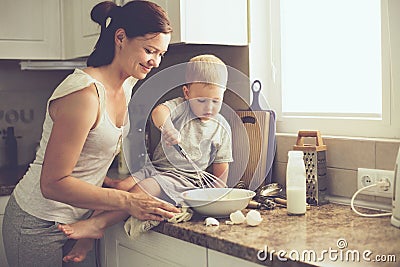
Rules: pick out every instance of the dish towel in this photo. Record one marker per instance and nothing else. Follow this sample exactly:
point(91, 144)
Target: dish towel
point(134, 227)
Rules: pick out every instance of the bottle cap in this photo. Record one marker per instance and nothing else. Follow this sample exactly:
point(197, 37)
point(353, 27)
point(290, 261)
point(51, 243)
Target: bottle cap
point(295, 153)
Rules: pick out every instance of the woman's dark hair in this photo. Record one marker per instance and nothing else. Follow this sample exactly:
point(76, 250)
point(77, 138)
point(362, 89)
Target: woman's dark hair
point(137, 18)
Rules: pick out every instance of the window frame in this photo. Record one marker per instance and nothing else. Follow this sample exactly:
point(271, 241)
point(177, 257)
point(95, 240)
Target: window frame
point(386, 127)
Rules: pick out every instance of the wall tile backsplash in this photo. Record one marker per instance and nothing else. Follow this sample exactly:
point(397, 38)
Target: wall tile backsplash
point(23, 98)
point(25, 112)
point(344, 157)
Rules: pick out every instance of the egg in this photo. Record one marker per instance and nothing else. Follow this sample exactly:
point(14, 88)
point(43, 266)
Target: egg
point(210, 221)
point(253, 218)
point(237, 217)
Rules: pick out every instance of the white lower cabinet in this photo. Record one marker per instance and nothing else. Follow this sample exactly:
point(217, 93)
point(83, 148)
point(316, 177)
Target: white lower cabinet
point(150, 249)
point(218, 259)
point(155, 249)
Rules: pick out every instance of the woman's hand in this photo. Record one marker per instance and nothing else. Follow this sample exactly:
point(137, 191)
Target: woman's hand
point(145, 207)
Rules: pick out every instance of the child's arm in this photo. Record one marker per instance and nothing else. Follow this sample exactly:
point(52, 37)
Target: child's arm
point(161, 116)
point(221, 170)
point(125, 184)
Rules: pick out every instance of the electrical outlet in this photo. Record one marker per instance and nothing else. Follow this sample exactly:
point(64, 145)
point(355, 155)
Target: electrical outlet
point(367, 177)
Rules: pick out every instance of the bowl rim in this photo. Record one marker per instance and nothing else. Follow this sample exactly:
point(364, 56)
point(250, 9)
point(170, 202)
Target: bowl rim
point(219, 198)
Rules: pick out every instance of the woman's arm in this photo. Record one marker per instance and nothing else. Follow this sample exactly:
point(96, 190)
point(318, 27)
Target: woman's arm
point(73, 117)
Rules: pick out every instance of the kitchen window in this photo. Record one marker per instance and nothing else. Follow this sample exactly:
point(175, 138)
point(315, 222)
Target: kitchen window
point(331, 66)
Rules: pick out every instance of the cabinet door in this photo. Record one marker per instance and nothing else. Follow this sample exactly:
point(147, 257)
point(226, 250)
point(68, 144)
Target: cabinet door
point(30, 29)
point(218, 259)
point(173, 9)
point(80, 33)
point(215, 22)
point(207, 21)
point(149, 249)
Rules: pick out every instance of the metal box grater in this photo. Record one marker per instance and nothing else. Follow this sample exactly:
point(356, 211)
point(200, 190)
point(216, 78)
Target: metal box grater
point(315, 163)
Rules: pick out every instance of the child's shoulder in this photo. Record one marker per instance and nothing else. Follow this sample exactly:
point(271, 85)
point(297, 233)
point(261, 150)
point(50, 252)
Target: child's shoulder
point(176, 105)
point(174, 101)
point(222, 121)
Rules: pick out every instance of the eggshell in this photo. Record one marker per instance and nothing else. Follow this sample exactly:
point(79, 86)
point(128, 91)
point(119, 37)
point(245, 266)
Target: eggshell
point(210, 221)
point(237, 217)
point(253, 218)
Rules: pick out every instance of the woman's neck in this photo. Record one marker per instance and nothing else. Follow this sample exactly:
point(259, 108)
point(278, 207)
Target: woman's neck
point(108, 76)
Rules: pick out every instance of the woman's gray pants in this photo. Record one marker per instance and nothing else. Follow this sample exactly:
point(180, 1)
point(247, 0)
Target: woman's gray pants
point(30, 241)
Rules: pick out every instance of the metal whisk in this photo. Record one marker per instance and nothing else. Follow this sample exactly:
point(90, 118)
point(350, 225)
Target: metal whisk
point(207, 179)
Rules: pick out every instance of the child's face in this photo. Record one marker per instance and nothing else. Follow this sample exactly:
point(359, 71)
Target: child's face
point(205, 100)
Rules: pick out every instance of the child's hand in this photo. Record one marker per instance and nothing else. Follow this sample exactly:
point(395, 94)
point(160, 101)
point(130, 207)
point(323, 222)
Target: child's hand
point(170, 135)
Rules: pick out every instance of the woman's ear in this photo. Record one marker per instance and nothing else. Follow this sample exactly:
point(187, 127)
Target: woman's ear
point(119, 36)
point(185, 90)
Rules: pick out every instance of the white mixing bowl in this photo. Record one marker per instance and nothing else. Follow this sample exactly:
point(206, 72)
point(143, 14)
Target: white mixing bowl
point(217, 202)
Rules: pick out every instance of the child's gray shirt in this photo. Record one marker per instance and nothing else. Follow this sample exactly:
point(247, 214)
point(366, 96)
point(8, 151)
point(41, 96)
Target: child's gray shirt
point(206, 142)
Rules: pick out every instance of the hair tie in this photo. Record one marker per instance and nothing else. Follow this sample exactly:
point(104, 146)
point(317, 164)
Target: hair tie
point(108, 21)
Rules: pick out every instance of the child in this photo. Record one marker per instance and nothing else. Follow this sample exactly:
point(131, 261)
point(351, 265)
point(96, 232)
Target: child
point(192, 121)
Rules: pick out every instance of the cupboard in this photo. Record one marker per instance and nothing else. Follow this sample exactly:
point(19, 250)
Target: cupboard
point(62, 29)
point(80, 32)
point(156, 249)
point(30, 29)
point(207, 21)
point(149, 249)
point(47, 29)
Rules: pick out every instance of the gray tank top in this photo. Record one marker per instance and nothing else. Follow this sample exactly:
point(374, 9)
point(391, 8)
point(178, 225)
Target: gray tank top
point(99, 150)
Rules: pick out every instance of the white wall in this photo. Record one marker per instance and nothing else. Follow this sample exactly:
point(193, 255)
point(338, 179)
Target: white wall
point(394, 20)
point(259, 47)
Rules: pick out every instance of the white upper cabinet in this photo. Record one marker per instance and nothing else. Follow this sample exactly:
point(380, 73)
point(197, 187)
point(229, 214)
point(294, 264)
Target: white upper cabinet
point(207, 21)
point(62, 29)
point(30, 29)
point(80, 32)
point(47, 29)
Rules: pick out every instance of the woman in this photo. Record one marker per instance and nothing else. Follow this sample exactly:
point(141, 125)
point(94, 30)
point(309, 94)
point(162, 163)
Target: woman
point(84, 123)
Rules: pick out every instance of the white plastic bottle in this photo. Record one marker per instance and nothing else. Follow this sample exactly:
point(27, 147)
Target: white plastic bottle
point(296, 184)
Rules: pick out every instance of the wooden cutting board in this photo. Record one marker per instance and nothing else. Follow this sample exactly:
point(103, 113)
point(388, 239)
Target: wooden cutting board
point(250, 147)
point(253, 144)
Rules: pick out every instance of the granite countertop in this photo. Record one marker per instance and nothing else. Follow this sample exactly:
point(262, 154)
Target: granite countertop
point(323, 230)
point(9, 178)
point(333, 228)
